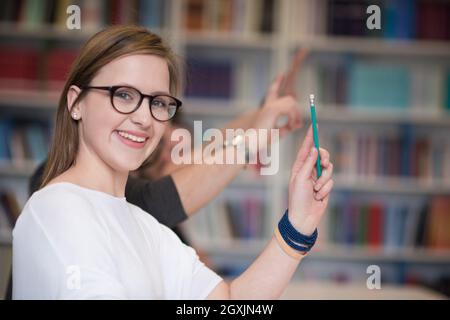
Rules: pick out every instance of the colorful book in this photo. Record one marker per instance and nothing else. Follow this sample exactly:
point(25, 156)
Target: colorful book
point(368, 80)
point(151, 13)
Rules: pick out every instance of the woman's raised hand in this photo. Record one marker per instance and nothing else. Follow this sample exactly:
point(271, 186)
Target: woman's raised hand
point(308, 196)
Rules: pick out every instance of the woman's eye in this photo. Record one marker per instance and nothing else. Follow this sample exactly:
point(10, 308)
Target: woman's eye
point(124, 95)
point(158, 103)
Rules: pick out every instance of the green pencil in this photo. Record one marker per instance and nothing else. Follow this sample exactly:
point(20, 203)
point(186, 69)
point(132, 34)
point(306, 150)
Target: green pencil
point(315, 133)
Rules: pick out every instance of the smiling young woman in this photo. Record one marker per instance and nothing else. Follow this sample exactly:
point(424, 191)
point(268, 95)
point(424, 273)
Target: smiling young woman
point(99, 51)
point(78, 237)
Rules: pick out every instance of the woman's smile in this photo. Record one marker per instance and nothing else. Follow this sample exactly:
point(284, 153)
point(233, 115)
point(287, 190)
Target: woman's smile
point(132, 139)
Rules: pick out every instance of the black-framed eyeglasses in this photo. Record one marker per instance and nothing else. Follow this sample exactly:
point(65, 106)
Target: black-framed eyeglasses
point(126, 100)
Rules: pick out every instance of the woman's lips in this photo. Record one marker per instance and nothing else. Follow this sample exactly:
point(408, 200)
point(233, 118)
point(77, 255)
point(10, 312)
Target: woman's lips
point(132, 139)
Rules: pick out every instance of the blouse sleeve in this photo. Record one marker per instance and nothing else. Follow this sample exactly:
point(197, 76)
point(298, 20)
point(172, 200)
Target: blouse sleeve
point(186, 277)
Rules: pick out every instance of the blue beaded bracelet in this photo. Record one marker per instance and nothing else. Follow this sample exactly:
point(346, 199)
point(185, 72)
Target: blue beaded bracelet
point(293, 238)
point(294, 234)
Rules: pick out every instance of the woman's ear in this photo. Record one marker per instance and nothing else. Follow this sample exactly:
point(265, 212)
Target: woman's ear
point(72, 95)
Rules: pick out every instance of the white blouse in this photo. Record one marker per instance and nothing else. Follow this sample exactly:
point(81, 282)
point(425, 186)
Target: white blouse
point(76, 243)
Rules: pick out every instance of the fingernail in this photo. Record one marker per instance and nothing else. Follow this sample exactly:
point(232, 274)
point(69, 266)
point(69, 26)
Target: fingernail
point(312, 151)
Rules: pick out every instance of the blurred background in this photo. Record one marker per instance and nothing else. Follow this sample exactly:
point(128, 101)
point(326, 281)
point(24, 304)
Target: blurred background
point(383, 105)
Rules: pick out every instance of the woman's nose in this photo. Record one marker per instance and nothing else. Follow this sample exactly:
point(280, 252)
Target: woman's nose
point(142, 116)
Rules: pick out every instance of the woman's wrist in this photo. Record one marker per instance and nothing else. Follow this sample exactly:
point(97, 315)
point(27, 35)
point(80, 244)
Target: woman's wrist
point(291, 240)
point(286, 248)
point(301, 225)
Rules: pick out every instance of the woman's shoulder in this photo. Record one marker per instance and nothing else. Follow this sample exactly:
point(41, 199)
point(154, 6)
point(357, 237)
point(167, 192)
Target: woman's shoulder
point(60, 204)
point(56, 201)
point(63, 194)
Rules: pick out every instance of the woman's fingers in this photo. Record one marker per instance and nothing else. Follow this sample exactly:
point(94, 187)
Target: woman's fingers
point(324, 158)
point(324, 163)
point(326, 175)
point(324, 191)
point(314, 175)
point(308, 166)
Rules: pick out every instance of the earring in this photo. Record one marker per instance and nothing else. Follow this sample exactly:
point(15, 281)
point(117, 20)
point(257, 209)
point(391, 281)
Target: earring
point(75, 115)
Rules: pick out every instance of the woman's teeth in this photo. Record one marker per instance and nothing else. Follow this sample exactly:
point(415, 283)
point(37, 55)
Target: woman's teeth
point(131, 137)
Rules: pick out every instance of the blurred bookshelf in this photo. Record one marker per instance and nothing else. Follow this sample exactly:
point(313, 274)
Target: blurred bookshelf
point(377, 92)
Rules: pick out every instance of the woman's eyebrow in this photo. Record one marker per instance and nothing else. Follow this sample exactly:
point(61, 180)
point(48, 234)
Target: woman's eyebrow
point(133, 86)
point(160, 93)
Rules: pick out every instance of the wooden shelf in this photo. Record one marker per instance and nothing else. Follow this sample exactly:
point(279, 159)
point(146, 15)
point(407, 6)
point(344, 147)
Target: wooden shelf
point(394, 185)
point(29, 99)
point(387, 185)
point(213, 108)
point(356, 290)
point(24, 170)
point(53, 33)
point(391, 185)
point(413, 255)
point(251, 41)
point(348, 115)
point(328, 113)
point(44, 32)
point(340, 44)
point(190, 38)
point(228, 40)
point(251, 248)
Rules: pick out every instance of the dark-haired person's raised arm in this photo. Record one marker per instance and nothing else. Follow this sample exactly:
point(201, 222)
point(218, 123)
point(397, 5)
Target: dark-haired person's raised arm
point(280, 101)
point(215, 177)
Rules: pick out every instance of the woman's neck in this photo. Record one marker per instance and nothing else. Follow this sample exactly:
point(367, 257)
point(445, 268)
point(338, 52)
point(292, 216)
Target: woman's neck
point(91, 172)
